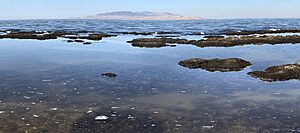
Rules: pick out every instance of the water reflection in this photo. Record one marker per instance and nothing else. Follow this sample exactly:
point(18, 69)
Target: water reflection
point(54, 86)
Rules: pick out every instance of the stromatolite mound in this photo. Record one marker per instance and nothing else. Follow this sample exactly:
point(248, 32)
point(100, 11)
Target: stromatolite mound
point(278, 73)
point(212, 65)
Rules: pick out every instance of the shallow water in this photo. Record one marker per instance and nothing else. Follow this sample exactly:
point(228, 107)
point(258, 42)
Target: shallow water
point(55, 86)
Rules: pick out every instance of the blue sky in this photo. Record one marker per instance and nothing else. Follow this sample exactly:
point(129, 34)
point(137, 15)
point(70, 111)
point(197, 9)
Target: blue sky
point(49, 9)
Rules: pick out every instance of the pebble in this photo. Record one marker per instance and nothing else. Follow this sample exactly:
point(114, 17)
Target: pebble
point(26, 97)
point(101, 117)
point(46, 80)
point(207, 127)
point(130, 117)
point(53, 109)
point(114, 107)
point(89, 111)
point(178, 125)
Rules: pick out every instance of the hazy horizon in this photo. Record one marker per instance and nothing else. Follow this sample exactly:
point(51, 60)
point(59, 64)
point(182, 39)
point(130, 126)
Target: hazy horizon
point(214, 9)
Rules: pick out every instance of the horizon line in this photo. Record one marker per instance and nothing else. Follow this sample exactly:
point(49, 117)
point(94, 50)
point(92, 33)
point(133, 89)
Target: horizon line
point(151, 20)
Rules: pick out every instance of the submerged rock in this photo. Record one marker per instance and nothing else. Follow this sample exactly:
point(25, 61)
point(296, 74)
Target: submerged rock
point(212, 65)
point(278, 73)
point(80, 41)
point(87, 43)
point(111, 75)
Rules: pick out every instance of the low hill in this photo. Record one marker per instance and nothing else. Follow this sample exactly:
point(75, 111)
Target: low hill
point(128, 15)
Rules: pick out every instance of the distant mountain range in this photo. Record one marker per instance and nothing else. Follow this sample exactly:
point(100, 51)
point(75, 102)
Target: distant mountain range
point(128, 15)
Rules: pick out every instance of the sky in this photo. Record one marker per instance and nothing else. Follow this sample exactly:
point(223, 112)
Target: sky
point(210, 9)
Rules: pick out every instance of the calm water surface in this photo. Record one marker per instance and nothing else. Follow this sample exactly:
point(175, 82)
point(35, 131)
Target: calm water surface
point(55, 86)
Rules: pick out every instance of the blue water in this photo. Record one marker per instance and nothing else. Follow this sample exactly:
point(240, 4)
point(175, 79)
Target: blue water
point(185, 27)
point(61, 82)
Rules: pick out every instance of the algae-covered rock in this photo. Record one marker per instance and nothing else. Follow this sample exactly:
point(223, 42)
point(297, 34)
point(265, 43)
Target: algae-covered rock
point(278, 73)
point(212, 65)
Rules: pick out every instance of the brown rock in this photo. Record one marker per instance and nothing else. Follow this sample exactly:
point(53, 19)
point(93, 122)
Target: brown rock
point(278, 73)
point(212, 65)
point(155, 42)
point(111, 75)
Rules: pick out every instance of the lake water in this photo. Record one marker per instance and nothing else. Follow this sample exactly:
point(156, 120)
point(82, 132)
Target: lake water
point(55, 86)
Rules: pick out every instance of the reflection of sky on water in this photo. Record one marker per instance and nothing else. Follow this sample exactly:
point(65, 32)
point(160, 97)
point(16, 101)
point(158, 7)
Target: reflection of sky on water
point(63, 75)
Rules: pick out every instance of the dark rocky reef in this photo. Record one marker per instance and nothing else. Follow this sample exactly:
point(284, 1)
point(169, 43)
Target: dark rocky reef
point(135, 33)
point(262, 32)
point(278, 73)
point(167, 32)
point(155, 42)
point(94, 37)
point(53, 35)
point(212, 65)
point(147, 33)
point(30, 35)
point(97, 37)
point(217, 41)
point(111, 75)
point(244, 40)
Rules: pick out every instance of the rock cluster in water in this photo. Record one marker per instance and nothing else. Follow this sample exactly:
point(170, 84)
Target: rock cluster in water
point(111, 75)
point(163, 39)
point(216, 41)
point(155, 42)
point(212, 65)
point(278, 73)
point(46, 35)
point(135, 33)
